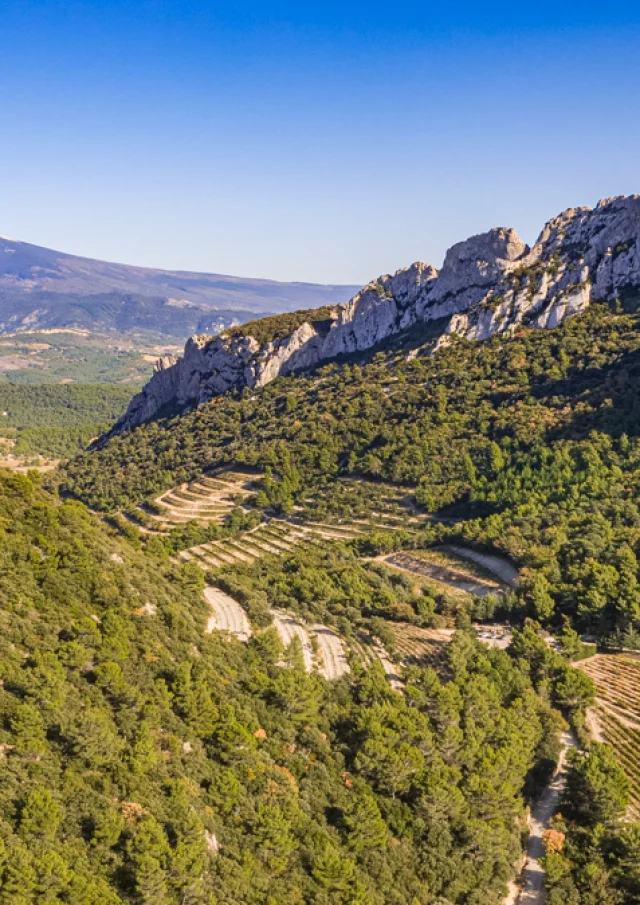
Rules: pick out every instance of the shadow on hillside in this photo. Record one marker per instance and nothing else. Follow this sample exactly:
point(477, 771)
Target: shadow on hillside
point(604, 399)
point(609, 399)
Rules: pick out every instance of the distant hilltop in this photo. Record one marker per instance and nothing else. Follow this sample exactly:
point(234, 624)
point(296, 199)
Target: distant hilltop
point(41, 288)
point(491, 283)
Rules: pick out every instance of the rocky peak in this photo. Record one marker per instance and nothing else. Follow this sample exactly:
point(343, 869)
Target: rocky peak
point(479, 258)
point(491, 283)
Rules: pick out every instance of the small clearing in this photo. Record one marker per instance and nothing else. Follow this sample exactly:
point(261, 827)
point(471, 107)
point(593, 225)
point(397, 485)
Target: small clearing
point(499, 565)
point(461, 581)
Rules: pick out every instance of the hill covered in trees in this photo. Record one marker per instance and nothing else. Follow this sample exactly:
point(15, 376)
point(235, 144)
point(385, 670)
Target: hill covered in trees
point(530, 442)
point(146, 761)
point(57, 420)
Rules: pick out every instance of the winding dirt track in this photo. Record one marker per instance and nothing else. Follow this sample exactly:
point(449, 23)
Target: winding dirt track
point(530, 890)
point(226, 615)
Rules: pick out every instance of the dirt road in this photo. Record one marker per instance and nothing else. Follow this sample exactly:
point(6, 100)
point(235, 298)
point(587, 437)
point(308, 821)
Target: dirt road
point(531, 886)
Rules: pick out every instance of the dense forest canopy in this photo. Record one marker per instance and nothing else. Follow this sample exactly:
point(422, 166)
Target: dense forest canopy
point(145, 761)
point(532, 441)
point(58, 420)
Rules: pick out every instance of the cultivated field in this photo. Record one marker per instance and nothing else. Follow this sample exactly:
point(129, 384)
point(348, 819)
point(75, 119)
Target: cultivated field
point(209, 499)
point(421, 646)
point(273, 538)
point(435, 565)
point(322, 648)
point(361, 509)
point(616, 715)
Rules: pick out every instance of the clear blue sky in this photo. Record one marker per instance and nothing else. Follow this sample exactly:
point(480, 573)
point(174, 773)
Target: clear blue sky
point(317, 141)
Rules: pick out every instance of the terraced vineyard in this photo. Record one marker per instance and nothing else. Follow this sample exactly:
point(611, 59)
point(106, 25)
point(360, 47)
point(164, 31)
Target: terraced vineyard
point(209, 499)
point(420, 646)
point(226, 615)
point(273, 538)
point(617, 712)
point(364, 503)
point(360, 506)
point(322, 648)
point(438, 566)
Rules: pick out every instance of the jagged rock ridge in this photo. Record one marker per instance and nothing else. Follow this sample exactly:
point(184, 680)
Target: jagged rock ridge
point(489, 284)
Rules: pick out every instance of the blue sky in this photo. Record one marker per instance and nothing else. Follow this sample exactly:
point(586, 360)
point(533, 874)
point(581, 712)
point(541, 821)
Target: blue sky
point(319, 141)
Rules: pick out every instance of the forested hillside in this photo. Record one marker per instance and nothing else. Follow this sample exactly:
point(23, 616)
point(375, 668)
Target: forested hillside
point(530, 441)
point(145, 761)
point(146, 758)
point(57, 420)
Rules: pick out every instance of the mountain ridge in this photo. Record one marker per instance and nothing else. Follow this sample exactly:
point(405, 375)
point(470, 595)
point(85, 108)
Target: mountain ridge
point(41, 287)
point(490, 283)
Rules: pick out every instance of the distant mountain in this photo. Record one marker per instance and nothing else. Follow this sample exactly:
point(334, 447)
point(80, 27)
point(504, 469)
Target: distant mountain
point(42, 288)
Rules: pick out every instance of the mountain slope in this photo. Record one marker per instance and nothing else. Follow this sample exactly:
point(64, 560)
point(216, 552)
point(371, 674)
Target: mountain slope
point(42, 288)
point(146, 761)
point(531, 440)
point(490, 284)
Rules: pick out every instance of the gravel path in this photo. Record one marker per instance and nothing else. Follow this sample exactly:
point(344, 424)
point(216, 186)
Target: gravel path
point(226, 615)
point(532, 891)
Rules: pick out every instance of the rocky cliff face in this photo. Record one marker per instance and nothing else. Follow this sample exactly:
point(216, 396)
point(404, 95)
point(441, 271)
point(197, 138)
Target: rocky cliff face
point(489, 284)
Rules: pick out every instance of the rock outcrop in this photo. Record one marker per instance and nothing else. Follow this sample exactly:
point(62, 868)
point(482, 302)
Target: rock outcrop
point(492, 283)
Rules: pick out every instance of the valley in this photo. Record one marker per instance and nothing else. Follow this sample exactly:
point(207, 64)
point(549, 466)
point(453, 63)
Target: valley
point(72, 355)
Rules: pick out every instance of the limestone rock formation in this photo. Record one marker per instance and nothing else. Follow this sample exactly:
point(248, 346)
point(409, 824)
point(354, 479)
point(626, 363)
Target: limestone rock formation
point(492, 283)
